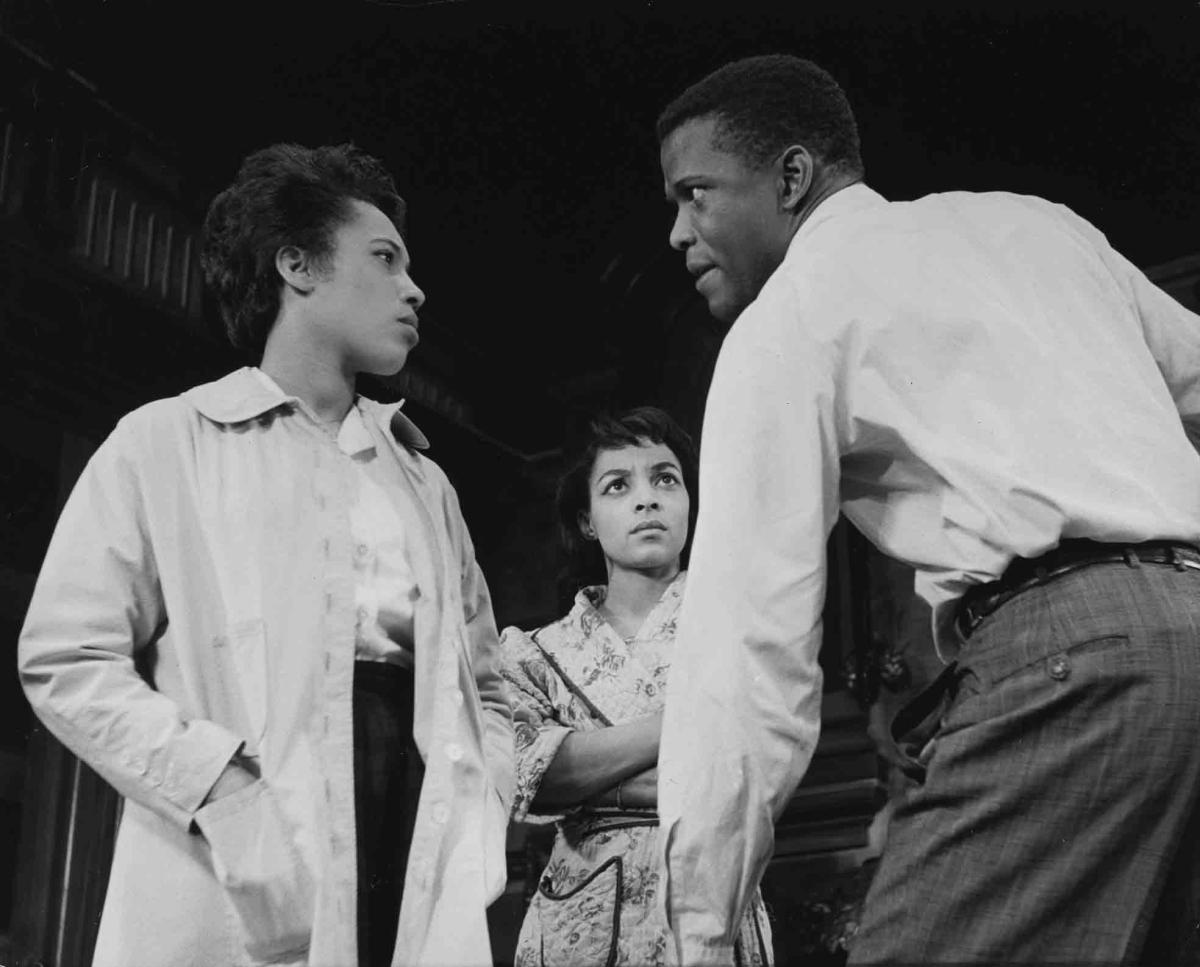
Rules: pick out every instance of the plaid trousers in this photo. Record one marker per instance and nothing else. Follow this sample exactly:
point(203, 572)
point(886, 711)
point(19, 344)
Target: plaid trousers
point(1058, 821)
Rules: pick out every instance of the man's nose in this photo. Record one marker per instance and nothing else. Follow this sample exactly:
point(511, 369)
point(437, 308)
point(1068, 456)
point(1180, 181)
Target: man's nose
point(681, 232)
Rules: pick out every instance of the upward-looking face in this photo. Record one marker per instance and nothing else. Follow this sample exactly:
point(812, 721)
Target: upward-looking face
point(729, 221)
point(363, 305)
point(638, 507)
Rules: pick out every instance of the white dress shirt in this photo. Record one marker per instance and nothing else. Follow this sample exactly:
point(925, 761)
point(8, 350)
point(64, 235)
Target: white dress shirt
point(385, 591)
point(969, 377)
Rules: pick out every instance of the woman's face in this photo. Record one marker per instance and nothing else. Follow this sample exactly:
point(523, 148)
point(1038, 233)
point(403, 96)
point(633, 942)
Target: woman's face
point(638, 507)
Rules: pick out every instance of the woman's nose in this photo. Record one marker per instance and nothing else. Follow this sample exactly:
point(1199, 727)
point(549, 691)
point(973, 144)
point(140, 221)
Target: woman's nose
point(411, 293)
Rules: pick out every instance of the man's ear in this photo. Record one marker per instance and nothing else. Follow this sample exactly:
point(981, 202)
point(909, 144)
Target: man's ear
point(295, 268)
point(796, 176)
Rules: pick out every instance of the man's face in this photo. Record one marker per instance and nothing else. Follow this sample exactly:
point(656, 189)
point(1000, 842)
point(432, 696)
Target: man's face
point(365, 303)
point(729, 221)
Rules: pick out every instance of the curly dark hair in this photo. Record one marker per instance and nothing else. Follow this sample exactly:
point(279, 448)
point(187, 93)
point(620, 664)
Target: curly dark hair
point(764, 104)
point(584, 559)
point(283, 195)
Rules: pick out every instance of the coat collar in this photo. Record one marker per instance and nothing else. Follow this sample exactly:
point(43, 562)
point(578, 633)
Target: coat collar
point(245, 394)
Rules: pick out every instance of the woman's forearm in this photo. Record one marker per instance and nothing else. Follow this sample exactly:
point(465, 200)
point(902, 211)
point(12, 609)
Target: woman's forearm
point(587, 763)
point(639, 791)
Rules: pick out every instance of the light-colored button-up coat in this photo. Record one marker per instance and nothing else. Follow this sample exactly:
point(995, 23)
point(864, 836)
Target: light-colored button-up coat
point(197, 598)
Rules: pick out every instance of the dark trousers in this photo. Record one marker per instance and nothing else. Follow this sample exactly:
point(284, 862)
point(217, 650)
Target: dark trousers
point(387, 782)
point(1058, 821)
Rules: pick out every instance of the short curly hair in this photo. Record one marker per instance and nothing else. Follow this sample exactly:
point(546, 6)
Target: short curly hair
point(283, 195)
point(584, 559)
point(764, 104)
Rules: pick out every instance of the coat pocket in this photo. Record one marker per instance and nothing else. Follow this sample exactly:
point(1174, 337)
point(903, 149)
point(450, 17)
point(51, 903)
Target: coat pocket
point(271, 891)
point(580, 925)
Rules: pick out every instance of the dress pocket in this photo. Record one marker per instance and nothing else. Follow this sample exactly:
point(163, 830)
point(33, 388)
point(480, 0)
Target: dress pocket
point(266, 882)
point(580, 925)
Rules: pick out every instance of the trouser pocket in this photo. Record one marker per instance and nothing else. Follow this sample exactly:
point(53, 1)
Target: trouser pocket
point(265, 880)
point(580, 925)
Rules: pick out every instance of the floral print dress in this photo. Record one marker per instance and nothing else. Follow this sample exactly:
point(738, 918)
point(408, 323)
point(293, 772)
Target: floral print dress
point(597, 903)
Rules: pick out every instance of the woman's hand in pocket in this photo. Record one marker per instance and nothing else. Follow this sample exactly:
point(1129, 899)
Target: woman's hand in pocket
point(255, 859)
point(233, 777)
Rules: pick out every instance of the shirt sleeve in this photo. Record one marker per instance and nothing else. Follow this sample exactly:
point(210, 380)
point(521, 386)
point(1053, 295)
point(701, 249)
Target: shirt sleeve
point(97, 603)
point(539, 734)
point(742, 712)
point(1172, 332)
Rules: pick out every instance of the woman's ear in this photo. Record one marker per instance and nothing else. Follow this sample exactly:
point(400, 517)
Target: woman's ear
point(295, 268)
point(585, 525)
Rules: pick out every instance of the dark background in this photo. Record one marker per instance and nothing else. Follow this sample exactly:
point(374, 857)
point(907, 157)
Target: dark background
point(522, 136)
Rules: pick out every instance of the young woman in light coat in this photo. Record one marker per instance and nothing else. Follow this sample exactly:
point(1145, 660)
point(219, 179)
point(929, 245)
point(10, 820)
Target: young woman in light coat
point(260, 618)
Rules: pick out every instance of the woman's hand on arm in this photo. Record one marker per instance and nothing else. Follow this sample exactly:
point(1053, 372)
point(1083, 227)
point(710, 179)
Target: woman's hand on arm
point(639, 791)
point(590, 763)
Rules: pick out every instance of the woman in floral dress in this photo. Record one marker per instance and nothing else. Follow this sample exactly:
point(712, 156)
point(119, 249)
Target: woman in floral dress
point(588, 694)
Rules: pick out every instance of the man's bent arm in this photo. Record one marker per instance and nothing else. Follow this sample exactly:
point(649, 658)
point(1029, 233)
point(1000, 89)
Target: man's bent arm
point(743, 705)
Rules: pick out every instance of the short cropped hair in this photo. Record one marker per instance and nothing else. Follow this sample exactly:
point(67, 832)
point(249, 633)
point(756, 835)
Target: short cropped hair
point(764, 104)
point(283, 195)
point(584, 559)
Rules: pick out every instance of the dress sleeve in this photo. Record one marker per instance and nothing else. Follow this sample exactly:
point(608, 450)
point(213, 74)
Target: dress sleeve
point(536, 696)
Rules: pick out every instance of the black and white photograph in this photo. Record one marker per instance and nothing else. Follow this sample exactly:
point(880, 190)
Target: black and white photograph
point(501, 483)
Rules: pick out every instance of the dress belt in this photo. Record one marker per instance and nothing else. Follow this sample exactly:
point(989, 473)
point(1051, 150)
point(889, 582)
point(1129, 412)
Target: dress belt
point(1070, 555)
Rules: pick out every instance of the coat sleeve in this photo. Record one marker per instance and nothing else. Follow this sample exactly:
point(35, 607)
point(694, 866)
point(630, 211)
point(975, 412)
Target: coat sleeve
point(485, 648)
point(96, 604)
point(742, 712)
point(539, 733)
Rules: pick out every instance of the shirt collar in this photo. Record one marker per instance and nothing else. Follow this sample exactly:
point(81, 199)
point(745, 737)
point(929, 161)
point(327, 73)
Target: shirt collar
point(248, 392)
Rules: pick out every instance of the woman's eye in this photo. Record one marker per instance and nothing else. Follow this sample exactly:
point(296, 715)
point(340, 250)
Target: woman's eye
point(615, 486)
point(387, 255)
point(668, 478)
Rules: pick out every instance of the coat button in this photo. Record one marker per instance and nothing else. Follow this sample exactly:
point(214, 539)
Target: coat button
point(440, 813)
point(454, 751)
point(1059, 667)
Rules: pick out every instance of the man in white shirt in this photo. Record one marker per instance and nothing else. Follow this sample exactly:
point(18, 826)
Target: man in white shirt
point(995, 396)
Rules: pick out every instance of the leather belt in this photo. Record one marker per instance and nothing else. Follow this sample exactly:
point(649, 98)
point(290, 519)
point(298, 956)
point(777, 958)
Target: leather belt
point(1071, 555)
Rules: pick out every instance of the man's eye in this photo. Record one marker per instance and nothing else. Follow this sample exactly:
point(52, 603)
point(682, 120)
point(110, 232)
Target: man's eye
point(696, 193)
